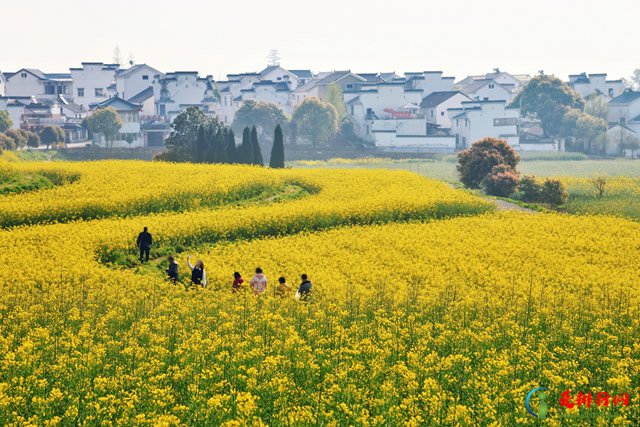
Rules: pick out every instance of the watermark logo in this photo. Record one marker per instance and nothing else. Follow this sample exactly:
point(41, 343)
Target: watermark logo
point(542, 398)
point(568, 401)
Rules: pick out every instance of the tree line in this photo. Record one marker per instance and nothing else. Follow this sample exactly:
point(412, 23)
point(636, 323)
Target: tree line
point(15, 139)
point(199, 138)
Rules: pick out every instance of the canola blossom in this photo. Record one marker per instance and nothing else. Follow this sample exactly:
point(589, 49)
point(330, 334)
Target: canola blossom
point(427, 309)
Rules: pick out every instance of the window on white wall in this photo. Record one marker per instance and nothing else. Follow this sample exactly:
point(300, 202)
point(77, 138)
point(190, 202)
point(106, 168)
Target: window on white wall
point(145, 77)
point(80, 92)
point(23, 75)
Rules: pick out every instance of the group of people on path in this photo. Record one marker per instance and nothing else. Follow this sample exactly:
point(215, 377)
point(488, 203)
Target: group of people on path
point(257, 284)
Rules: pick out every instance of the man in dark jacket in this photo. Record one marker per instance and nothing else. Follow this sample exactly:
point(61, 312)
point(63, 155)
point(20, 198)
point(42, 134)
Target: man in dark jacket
point(304, 291)
point(172, 271)
point(144, 244)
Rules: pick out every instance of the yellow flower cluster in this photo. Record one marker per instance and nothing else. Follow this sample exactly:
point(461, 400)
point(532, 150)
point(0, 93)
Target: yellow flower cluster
point(447, 322)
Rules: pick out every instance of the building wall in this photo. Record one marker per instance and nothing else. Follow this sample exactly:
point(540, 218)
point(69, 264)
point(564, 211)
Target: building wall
point(486, 122)
point(24, 84)
point(132, 84)
point(91, 77)
point(281, 75)
point(626, 112)
point(439, 114)
point(433, 82)
point(184, 89)
point(493, 92)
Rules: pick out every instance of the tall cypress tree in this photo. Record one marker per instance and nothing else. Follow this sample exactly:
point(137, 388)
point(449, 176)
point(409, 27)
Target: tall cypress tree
point(277, 152)
point(220, 147)
point(257, 152)
point(209, 155)
point(231, 146)
point(246, 149)
point(201, 145)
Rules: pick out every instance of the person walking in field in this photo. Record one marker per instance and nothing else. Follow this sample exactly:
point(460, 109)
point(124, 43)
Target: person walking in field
point(283, 289)
point(144, 242)
point(198, 274)
point(172, 271)
point(237, 282)
point(304, 291)
point(258, 282)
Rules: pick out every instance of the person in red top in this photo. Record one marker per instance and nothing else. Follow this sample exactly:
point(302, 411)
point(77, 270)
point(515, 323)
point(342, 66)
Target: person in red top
point(237, 282)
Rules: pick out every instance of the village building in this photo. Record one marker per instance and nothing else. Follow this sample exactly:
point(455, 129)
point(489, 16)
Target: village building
point(91, 82)
point(476, 120)
point(130, 135)
point(589, 85)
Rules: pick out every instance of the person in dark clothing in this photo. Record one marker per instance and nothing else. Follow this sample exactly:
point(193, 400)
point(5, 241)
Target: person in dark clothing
point(304, 291)
point(172, 271)
point(198, 275)
point(237, 282)
point(145, 240)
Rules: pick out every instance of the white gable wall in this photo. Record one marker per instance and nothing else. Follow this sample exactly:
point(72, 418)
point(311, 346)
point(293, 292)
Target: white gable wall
point(133, 83)
point(23, 83)
point(91, 78)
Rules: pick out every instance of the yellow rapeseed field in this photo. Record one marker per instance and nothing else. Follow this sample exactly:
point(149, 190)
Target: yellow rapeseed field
point(427, 308)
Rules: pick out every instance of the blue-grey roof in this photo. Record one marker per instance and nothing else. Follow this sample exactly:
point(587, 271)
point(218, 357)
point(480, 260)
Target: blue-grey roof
point(436, 98)
point(115, 101)
point(303, 74)
point(626, 97)
point(142, 96)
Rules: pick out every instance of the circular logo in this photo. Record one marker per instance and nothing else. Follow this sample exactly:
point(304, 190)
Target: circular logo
point(542, 397)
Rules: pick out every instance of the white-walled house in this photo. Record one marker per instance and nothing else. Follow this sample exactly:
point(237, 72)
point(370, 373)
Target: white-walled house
point(596, 84)
point(177, 91)
point(318, 87)
point(303, 76)
point(623, 140)
point(134, 80)
point(429, 82)
point(130, 135)
point(277, 93)
point(146, 100)
point(625, 110)
point(435, 106)
point(15, 106)
point(476, 120)
point(43, 86)
point(91, 82)
point(276, 73)
point(488, 90)
point(3, 83)
point(382, 101)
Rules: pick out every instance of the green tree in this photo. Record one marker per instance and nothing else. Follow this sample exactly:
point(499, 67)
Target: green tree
point(231, 147)
point(255, 146)
point(548, 98)
point(265, 116)
point(476, 162)
point(106, 122)
point(315, 121)
point(18, 136)
point(246, 149)
point(588, 128)
point(6, 143)
point(33, 140)
point(5, 121)
point(220, 147)
point(185, 142)
point(277, 151)
point(335, 97)
point(597, 106)
point(50, 135)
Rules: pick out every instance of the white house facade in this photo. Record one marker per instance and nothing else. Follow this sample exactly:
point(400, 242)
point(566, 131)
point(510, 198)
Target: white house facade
point(130, 135)
point(624, 109)
point(476, 120)
point(596, 84)
point(134, 80)
point(43, 86)
point(435, 106)
point(91, 82)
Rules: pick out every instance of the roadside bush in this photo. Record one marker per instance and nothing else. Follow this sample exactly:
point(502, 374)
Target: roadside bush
point(501, 182)
point(475, 163)
point(553, 192)
point(529, 190)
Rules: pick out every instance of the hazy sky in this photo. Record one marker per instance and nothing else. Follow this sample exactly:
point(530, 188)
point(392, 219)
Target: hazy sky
point(460, 37)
